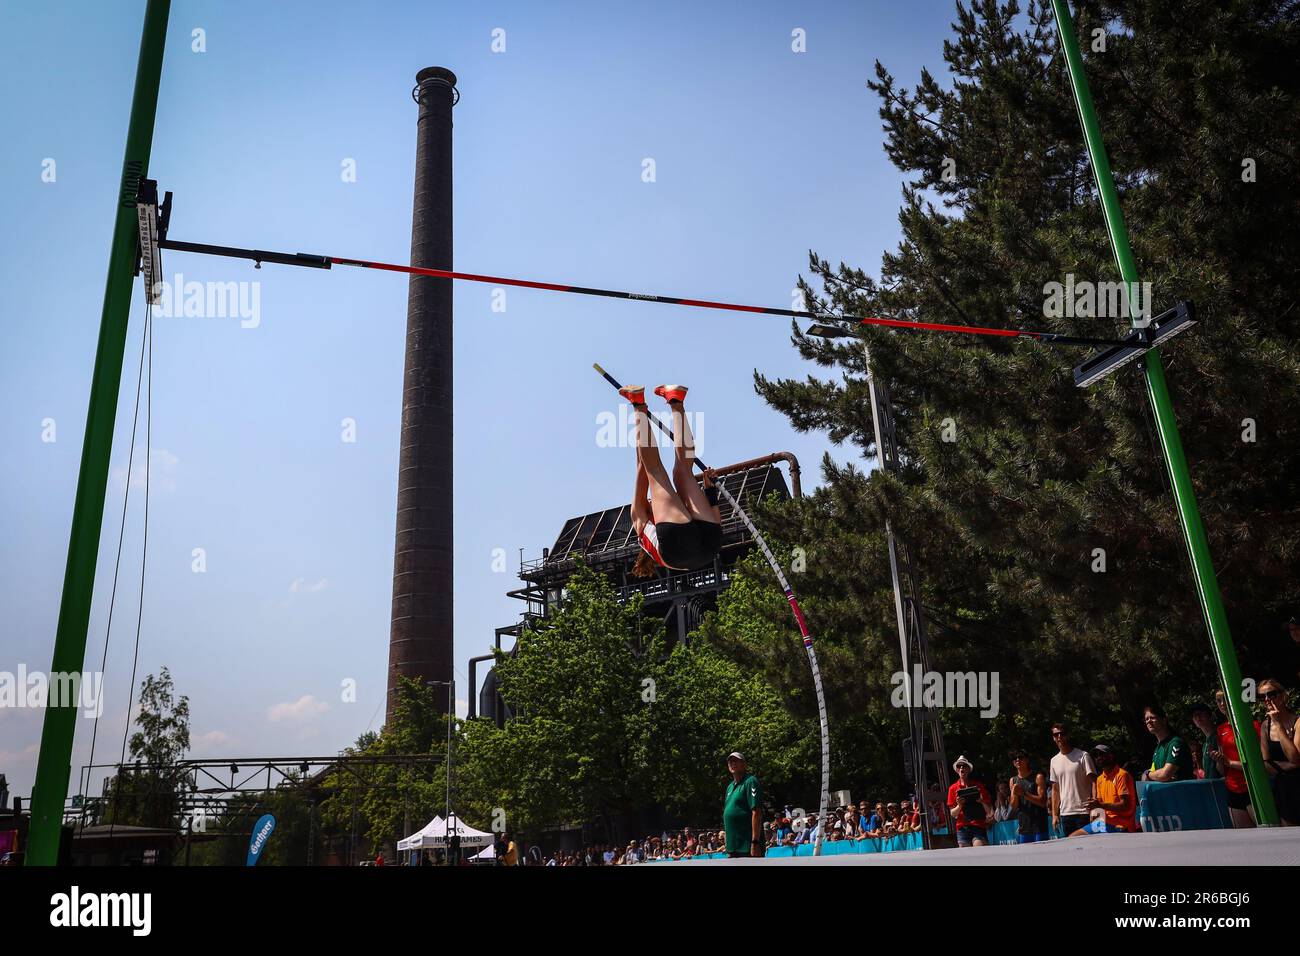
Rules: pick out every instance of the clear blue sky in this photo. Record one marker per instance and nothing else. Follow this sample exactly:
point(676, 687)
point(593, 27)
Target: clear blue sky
point(761, 154)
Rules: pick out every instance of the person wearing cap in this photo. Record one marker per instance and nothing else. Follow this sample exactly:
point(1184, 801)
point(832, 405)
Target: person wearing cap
point(742, 812)
point(1114, 793)
point(971, 817)
point(1070, 773)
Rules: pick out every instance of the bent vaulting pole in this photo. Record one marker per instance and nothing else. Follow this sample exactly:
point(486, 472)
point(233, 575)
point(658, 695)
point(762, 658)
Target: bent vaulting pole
point(775, 565)
point(420, 639)
point(1180, 478)
point(53, 768)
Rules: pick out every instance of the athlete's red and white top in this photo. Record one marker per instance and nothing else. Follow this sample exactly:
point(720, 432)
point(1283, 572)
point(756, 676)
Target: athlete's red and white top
point(649, 538)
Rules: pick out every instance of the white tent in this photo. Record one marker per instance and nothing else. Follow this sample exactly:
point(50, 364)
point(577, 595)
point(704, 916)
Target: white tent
point(416, 839)
point(488, 853)
point(434, 835)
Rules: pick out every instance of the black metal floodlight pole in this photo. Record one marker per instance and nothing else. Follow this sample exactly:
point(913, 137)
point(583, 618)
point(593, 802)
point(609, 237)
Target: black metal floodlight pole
point(913, 645)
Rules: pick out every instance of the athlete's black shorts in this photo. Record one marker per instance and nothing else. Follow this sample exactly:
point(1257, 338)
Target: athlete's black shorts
point(1238, 801)
point(689, 545)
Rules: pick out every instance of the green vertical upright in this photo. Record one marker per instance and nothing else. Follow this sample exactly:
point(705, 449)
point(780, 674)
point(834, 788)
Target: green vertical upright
point(1198, 547)
point(53, 767)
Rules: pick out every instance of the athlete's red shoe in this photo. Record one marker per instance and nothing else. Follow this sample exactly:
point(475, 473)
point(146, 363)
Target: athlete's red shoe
point(633, 393)
point(672, 393)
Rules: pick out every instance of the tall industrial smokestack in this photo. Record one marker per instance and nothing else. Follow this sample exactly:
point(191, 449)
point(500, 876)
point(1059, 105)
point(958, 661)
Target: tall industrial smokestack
point(420, 642)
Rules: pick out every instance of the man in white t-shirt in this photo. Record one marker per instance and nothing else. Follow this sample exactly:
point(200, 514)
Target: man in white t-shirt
point(1072, 773)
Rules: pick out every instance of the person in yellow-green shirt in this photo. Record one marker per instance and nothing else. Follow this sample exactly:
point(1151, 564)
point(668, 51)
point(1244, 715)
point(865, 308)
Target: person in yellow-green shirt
point(1172, 759)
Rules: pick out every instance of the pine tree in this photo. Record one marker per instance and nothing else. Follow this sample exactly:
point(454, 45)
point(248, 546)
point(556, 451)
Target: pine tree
point(1198, 105)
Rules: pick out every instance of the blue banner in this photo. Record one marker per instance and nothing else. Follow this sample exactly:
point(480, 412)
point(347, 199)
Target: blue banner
point(1185, 805)
point(261, 833)
point(908, 841)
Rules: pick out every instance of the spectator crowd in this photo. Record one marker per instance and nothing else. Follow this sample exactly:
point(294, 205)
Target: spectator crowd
point(1076, 792)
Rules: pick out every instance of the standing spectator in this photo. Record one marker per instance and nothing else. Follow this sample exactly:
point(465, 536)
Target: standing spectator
point(1171, 760)
point(850, 827)
point(690, 844)
point(1222, 759)
point(892, 815)
point(1002, 808)
point(911, 817)
point(1114, 794)
point(867, 824)
point(880, 818)
point(781, 825)
point(971, 814)
point(1203, 720)
point(835, 826)
point(512, 851)
point(742, 811)
point(1071, 773)
point(935, 807)
point(1028, 800)
point(1279, 743)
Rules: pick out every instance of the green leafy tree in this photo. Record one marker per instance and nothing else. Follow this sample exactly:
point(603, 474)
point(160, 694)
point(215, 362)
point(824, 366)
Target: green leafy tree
point(577, 748)
point(147, 794)
point(611, 728)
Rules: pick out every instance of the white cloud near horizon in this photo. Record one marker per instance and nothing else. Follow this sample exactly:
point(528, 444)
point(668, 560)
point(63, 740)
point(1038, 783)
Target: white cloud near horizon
point(300, 586)
point(304, 708)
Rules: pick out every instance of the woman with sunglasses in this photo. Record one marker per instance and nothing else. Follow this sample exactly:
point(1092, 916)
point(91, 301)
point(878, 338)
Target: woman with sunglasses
point(1279, 743)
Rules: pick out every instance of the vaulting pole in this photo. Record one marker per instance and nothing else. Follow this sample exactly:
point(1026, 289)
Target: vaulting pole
point(1198, 546)
point(54, 764)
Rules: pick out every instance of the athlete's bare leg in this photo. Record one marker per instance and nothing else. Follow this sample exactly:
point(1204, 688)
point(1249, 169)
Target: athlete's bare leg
point(692, 496)
point(668, 507)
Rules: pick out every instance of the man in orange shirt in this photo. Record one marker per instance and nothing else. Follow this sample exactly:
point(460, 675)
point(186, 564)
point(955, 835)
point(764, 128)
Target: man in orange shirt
point(1113, 792)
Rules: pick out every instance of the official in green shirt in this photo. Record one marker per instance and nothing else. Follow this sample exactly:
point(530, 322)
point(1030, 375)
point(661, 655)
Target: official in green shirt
point(742, 813)
point(1172, 759)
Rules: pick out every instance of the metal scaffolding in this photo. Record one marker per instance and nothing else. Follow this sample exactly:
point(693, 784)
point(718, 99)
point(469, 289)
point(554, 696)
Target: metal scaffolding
point(607, 541)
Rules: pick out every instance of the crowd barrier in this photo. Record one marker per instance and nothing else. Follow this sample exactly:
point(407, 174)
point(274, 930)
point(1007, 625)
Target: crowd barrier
point(1162, 807)
point(1189, 805)
point(908, 841)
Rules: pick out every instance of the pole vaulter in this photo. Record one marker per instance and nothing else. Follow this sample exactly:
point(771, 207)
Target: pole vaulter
point(794, 607)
